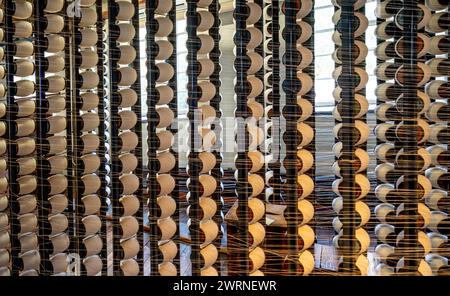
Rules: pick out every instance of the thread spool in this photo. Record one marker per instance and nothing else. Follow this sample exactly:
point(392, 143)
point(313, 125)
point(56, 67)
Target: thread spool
point(165, 26)
point(208, 161)
point(306, 208)
point(58, 203)
point(23, 68)
point(87, 37)
point(165, 50)
point(423, 16)
point(207, 44)
point(88, 17)
point(91, 204)
point(165, 72)
point(423, 185)
point(129, 267)
point(423, 131)
point(125, 11)
point(93, 265)
point(209, 207)
point(437, 89)
point(256, 38)
point(90, 143)
point(423, 74)
point(256, 63)
point(385, 233)
point(437, 176)
point(166, 184)
point(163, 7)
point(91, 184)
point(209, 255)
point(167, 228)
point(91, 163)
point(129, 141)
point(167, 206)
point(54, 23)
point(129, 226)
point(359, 49)
point(130, 248)
point(128, 119)
point(386, 30)
point(438, 22)
point(26, 165)
point(22, 29)
point(362, 189)
point(22, 10)
point(58, 223)
point(439, 67)
point(128, 76)
point(169, 250)
point(28, 223)
point(130, 183)
point(361, 131)
point(256, 86)
point(422, 46)
point(31, 260)
point(28, 241)
point(257, 234)
point(127, 54)
point(93, 245)
point(167, 269)
point(89, 101)
point(257, 258)
point(166, 162)
point(130, 205)
point(256, 210)
point(386, 152)
point(128, 98)
point(439, 44)
point(92, 224)
point(27, 204)
point(362, 107)
point(437, 112)
point(361, 78)
point(126, 32)
point(257, 184)
point(359, 18)
point(255, 13)
point(89, 80)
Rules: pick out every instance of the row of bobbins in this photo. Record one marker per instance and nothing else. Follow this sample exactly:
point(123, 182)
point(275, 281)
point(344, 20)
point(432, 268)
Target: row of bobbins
point(216, 126)
point(5, 246)
point(271, 96)
point(163, 161)
point(271, 40)
point(256, 146)
point(202, 207)
point(394, 233)
point(52, 163)
point(245, 256)
point(21, 109)
point(437, 115)
point(125, 142)
point(351, 132)
point(209, 128)
point(87, 241)
point(5, 260)
point(259, 114)
point(298, 137)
